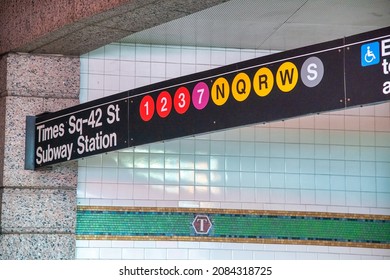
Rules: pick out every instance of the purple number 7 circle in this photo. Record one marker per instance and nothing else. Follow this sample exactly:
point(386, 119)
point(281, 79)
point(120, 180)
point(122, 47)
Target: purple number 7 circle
point(200, 95)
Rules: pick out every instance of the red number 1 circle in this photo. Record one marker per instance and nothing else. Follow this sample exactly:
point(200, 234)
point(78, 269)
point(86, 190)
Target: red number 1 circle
point(146, 108)
point(164, 104)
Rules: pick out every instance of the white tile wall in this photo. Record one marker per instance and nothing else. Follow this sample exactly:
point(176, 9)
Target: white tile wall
point(337, 162)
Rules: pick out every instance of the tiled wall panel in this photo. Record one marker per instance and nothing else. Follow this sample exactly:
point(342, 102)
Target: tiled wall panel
point(333, 162)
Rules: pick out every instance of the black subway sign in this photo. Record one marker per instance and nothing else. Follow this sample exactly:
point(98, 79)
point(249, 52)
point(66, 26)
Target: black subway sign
point(329, 76)
point(274, 87)
point(367, 68)
point(88, 129)
point(80, 131)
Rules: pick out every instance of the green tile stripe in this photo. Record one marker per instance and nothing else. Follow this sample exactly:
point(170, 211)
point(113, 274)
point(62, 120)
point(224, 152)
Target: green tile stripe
point(303, 228)
point(120, 224)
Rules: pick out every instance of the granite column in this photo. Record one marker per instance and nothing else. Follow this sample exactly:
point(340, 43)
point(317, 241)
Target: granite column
point(38, 208)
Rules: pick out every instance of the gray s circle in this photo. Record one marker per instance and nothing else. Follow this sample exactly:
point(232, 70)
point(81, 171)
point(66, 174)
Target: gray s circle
point(312, 71)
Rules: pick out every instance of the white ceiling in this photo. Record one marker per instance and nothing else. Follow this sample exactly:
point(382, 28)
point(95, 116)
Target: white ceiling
point(269, 24)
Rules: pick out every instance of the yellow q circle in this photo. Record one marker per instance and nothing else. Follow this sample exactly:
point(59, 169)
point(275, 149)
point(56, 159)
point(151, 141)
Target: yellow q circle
point(220, 91)
point(263, 81)
point(287, 76)
point(241, 87)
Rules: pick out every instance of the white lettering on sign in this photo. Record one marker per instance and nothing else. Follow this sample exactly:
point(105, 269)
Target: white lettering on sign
point(386, 87)
point(54, 153)
point(386, 67)
point(385, 46)
point(51, 132)
point(113, 114)
point(83, 128)
point(98, 142)
point(76, 125)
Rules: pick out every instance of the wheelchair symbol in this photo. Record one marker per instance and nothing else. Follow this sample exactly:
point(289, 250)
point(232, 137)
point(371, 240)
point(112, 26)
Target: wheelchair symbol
point(369, 56)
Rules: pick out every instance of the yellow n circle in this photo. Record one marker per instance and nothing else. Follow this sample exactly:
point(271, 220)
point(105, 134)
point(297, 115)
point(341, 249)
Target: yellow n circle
point(220, 91)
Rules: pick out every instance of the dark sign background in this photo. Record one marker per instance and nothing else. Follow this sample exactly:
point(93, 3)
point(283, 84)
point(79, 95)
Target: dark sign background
point(277, 105)
point(364, 85)
point(83, 112)
point(344, 83)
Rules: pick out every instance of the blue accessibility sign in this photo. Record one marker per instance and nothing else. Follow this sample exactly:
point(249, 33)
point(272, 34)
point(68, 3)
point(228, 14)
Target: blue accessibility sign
point(370, 54)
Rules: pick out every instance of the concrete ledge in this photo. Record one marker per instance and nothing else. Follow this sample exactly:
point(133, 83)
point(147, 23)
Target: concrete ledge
point(76, 27)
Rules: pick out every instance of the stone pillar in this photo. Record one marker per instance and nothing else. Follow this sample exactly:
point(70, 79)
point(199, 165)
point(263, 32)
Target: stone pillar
point(38, 208)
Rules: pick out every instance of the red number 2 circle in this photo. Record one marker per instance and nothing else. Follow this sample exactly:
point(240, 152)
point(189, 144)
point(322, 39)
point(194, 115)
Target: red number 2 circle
point(164, 104)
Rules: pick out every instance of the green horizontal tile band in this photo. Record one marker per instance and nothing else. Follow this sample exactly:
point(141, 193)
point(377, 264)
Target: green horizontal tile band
point(243, 226)
point(303, 229)
point(125, 223)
